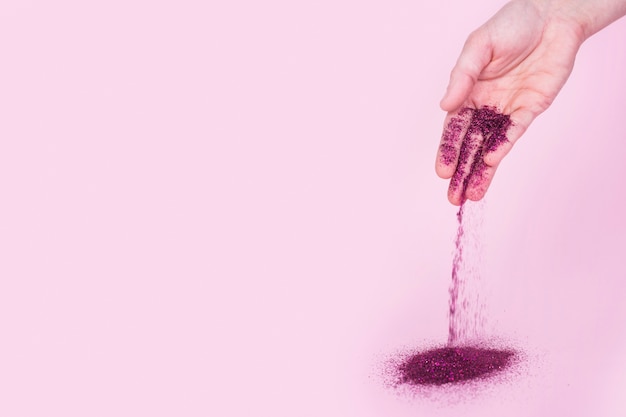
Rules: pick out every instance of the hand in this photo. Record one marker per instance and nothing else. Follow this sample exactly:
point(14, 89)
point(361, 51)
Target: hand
point(514, 65)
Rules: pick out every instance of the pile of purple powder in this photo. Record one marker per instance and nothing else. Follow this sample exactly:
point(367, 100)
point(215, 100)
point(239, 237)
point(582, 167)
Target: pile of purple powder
point(448, 365)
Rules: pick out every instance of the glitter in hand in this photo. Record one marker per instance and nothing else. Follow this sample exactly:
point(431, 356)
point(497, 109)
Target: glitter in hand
point(467, 138)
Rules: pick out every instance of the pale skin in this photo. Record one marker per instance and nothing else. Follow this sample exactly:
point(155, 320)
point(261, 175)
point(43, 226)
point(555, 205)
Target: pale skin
point(517, 62)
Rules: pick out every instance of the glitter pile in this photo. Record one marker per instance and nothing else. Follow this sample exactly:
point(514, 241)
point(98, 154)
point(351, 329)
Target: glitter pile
point(452, 365)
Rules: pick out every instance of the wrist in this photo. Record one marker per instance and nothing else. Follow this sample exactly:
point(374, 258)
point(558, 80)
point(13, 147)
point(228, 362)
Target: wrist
point(584, 17)
point(565, 14)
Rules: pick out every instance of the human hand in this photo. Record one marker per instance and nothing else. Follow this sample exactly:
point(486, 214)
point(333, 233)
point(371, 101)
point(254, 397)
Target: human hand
point(510, 70)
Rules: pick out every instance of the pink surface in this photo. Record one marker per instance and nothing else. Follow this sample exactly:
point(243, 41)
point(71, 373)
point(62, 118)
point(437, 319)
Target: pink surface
point(230, 209)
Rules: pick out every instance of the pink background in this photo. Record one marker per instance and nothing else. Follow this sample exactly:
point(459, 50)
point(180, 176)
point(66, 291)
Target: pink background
point(230, 209)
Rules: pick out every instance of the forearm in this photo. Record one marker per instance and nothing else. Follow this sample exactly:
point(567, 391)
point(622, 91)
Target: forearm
point(590, 16)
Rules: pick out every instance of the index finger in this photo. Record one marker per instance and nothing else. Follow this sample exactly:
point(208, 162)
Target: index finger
point(455, 128)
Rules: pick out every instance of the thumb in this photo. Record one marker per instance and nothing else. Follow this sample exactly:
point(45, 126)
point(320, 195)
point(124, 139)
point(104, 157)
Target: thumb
point(475, 56)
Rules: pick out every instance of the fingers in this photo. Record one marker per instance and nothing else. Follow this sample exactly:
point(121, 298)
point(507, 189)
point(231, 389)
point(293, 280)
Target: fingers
point(475, 56)
point(470, 162)
point(491, 153)
point(459, 89)
point(455, 127)
point(470, 136)
point(479, 181)
point(474, 180)
point(520, 120)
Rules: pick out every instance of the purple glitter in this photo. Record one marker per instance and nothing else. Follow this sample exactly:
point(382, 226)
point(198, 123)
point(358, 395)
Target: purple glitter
point(466, 307)
point(453, 331)
point(467, 138)
point(486, 131)
point(453, 135)
point(493, 126)
point(465, 357)
point(449, 365)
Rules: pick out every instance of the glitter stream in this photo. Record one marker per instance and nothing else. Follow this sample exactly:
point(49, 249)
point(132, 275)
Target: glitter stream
point(466, 307)
point(474, 132)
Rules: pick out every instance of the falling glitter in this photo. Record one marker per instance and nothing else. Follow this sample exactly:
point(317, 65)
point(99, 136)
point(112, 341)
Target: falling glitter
point(466, 305)
point(467, 138)
point(485, 131)
point(465, 357)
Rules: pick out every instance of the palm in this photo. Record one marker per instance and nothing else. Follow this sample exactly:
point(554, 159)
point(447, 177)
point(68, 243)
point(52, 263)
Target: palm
point(516, 63)
point(526, 78)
